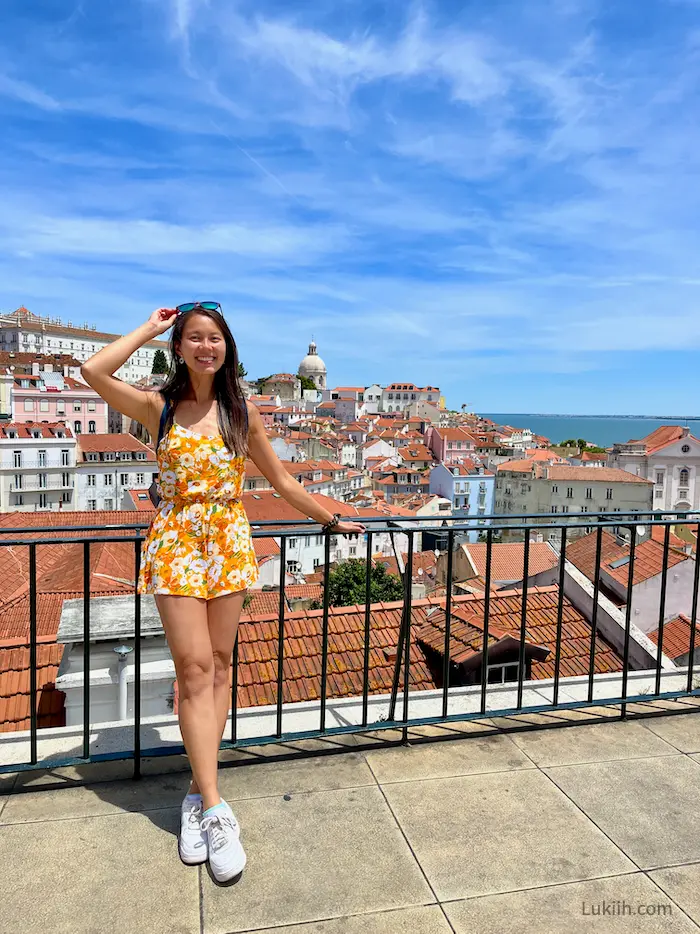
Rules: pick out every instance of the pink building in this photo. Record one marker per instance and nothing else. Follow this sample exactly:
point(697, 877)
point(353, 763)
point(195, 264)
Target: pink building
point(450, 445)
point(49, 396)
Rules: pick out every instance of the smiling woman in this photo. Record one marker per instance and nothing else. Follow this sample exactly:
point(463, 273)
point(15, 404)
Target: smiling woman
point(198, 558)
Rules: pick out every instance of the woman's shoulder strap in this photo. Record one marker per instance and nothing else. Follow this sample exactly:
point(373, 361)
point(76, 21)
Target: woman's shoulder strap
point(163, 419)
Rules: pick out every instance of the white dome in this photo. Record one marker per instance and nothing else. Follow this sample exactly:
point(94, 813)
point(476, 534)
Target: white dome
point(313, 366)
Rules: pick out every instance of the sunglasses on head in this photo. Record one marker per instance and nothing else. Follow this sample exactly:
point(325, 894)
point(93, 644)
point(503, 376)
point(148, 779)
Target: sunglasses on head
point(190, 306)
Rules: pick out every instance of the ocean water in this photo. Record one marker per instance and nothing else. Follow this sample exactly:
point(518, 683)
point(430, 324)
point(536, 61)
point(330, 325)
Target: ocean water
point(603, 430)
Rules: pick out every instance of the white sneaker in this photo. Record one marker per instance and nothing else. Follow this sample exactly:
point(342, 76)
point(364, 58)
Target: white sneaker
point(226, 855)
point(192, 843)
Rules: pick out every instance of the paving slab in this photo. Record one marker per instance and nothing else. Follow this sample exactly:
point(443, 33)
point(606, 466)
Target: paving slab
point(117, 873)
point(682, 884)
point(646, 806)
point(629, 904)
point(682, 731)
point(596, 742)
point(444, 759)
point(480, 834)
point(428, 920)
point(99, 798)
point(277, 778)
point(315, 857)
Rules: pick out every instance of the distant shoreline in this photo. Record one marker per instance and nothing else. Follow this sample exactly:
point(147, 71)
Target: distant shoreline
point(675, 418)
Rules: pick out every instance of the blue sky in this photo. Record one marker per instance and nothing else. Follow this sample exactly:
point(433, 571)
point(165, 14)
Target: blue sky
point(498, 197)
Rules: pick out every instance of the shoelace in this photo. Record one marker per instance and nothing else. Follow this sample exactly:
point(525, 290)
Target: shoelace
point(194, 814)
point(218, 826)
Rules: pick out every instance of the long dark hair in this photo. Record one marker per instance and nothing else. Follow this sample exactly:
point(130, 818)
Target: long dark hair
point(230, 402)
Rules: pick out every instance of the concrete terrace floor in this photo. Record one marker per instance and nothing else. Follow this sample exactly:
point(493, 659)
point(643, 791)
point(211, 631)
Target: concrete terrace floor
point(551, 830)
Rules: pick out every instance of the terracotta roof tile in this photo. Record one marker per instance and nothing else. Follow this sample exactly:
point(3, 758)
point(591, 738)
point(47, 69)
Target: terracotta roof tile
point(507, 559)
point(676, 638)
point(648, 557)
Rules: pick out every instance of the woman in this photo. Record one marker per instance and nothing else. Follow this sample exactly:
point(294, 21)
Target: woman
point(198, 556)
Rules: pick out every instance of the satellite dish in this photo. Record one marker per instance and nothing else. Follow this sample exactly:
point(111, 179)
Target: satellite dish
point(437, 552)
point(641, 530)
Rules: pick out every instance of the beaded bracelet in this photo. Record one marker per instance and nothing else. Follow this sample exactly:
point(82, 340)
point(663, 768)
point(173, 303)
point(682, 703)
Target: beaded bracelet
point(331, 524)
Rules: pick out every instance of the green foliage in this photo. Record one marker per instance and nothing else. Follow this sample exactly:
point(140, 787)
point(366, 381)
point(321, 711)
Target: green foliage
point(160, 362)
point(346, 584)
point(242, 372)
point(247, 600)
point(306, 382)
point(260, 384)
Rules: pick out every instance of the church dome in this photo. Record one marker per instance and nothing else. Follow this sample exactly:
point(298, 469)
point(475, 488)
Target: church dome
point(313, 366)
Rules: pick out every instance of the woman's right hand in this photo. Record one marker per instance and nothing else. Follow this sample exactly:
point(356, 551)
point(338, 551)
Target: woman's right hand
point(162, 319)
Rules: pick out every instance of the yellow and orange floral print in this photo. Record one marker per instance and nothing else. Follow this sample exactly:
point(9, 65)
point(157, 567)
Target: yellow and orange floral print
point(199, 543)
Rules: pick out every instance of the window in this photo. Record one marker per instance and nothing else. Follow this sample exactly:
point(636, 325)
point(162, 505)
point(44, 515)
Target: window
point(43, 480)
point(497, 674)
point(92, 406)
point(77, 405)
point(609, 493)
point(658, 494)
point(65, 479)
point(77, 427)
point(65, 462)
point(555, 488)
point(41, 458)
point(18, 481)
point(110, 456)
point(65, 496)
point(16, 458)
point(659, 478)
point(91, 479)
point(43, 405)
point(569, 492)
point(109, 504)
point(317, 563)
point(92, 504)
point(555, 509)
point(43, 501)
point(92, 456)
point(686, 449)
point(140, 479)
point(564, 508)
point(28, 405)
point(140, 455)
point(60, 408)
point(584, 508)
point(293, 567)
point(589, 492)
point(92, 427)
point(19, 499)
point(353, 549)
point(684, 476)
point(109, 479)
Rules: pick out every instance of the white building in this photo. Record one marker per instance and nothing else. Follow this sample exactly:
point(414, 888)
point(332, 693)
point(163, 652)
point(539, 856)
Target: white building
point(23, 331)
point(109, 464)
point(373, 399)
point(37, 467)
point(398, 397)
point(313, 367)
point(670, 458)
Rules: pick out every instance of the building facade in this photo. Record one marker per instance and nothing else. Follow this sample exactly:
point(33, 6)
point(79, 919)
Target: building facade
point(25, 332)
point(469, 488)
point(670, 459)
point(400, 396)
point(107, 465)
point(37, 467)
point(530, 487)
point(48, 396)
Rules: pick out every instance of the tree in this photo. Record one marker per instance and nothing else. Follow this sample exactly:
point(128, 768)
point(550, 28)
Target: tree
point(347, 584)
point(306, 382)
point(242, 372)
point(160, 362)
point(260, 384)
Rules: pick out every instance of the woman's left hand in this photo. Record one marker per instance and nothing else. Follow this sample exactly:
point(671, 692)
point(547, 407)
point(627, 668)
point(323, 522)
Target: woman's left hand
point(345, 528)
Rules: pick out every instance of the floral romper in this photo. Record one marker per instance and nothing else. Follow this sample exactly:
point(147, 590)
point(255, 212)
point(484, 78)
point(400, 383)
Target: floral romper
point(199, 543)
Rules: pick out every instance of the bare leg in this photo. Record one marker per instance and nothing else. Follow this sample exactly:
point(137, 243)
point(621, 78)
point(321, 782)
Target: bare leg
point(187, 632)
point(223, 615)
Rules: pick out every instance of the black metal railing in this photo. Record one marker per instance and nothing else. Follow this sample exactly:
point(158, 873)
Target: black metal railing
point(451, 532)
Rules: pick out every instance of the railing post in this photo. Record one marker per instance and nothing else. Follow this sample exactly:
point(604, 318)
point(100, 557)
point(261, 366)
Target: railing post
point(662, 608)
point(448, 624)
point(86, 649)
point(137, 663)
point(368, 603)
point(324, 636)
point(628, 620)
point(694, 611)
point(487, 611)
point(523, 618)
point(408, 599)
point(560, 614)
point(280, 633)
point(594, 620)
point(33, 716)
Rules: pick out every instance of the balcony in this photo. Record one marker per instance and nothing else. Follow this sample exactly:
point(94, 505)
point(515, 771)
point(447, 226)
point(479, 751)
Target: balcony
point(32, 485)
point(385, 775)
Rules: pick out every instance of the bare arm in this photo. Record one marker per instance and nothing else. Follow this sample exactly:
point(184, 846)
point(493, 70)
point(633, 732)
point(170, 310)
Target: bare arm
point(264, 457)
point(98, 372)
